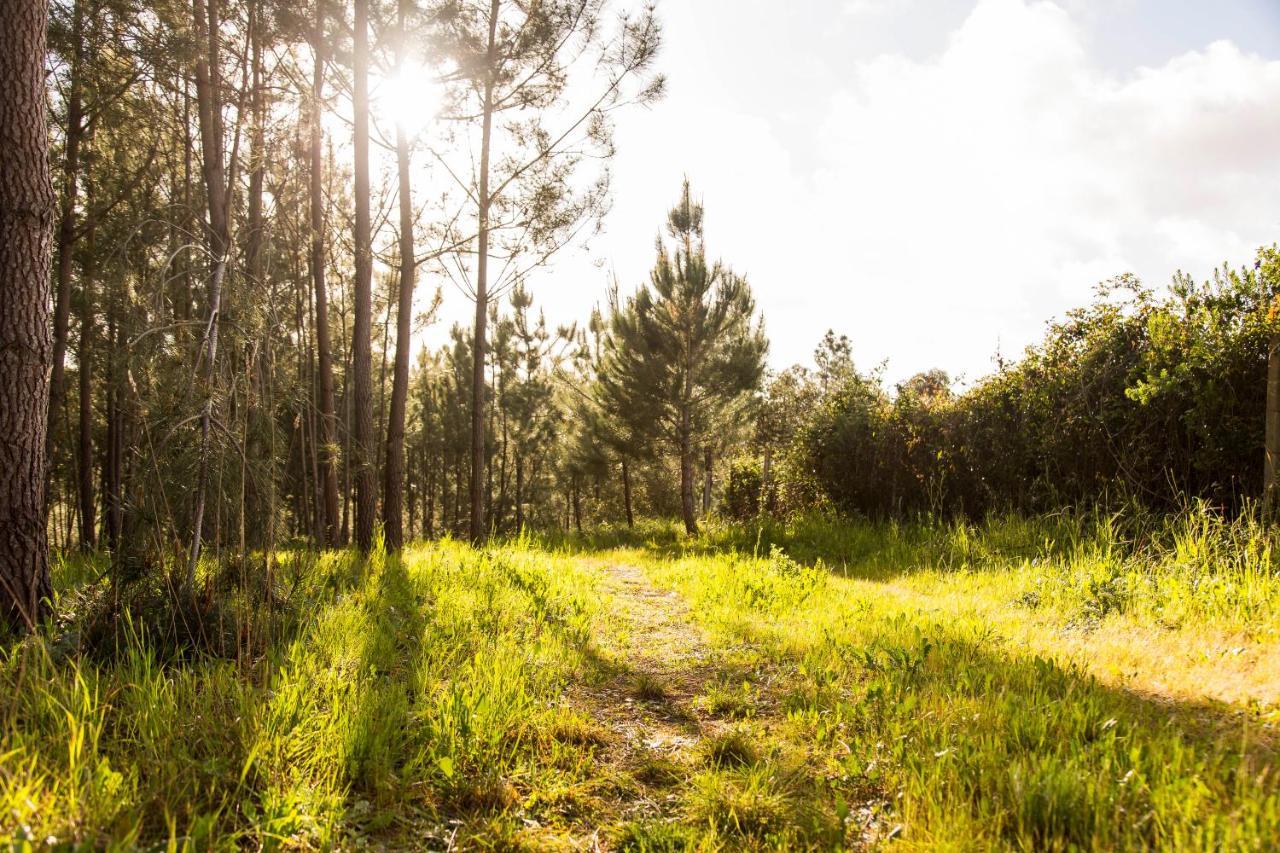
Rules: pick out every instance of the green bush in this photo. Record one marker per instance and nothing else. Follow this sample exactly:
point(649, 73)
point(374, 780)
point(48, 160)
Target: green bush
point(1135, 397)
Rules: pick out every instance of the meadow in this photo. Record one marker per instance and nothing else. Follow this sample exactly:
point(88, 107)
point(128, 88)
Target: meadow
point(1066, 682)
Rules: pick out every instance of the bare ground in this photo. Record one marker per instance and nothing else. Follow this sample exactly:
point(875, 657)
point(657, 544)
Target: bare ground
point(654, 666)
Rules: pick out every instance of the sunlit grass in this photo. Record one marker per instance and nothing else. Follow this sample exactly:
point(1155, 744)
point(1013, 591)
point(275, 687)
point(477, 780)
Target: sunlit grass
point(416, 687)
point(930, 669)
point(1100, 682)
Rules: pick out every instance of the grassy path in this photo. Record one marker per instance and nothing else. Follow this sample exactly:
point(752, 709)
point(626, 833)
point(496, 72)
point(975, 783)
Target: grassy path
point(654, 664)
point(693, 730)
point(658, 698)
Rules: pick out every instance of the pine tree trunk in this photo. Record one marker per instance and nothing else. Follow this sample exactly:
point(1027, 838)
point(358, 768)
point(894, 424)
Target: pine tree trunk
point(255, 457)
point(577, 505)
point(765, 501)
point(362, 445)
point(393, 484)
point(519, 493)
point(482, 292)
point(84, 443)
point(209, 105)
point(429, 511)
point(626, 492)
point(111, 478)
point(706, 482)
point(324, 349)
point(26, 217)
point(686, 475)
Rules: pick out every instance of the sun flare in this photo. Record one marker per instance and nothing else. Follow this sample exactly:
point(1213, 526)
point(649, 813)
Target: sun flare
point(410, 97)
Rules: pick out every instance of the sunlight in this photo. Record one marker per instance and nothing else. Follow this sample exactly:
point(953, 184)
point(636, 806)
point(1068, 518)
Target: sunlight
point(410, 97)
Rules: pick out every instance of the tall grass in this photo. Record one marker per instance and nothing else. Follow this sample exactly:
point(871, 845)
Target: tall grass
point(1197, 564)
point(407, 691)
point(905, 694)
point(922, 683)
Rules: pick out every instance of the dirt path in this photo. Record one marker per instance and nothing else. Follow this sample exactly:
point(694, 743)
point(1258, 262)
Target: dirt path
point(654, 665)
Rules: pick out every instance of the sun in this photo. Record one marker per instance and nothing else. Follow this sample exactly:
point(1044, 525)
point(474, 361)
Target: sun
point(410, 97)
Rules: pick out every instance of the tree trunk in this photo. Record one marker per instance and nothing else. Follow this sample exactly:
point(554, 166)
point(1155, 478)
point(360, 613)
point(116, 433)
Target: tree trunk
point(1271, 446)
point(362, 445)
point(112, 506)
point(67, 217)
point(328, 415)
point(626, 492)
point(393, 484)
point(255, 458)
point(686, 474)
point(209, 105)
point(429, 511)
point(577, 505)
point(482, 291)
point(765, 501)
point(706, 482)
point(519, 493)
point(26, 217)
point(84, 444)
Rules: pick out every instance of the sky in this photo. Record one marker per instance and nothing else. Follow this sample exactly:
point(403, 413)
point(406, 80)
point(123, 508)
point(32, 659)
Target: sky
point(937, 179)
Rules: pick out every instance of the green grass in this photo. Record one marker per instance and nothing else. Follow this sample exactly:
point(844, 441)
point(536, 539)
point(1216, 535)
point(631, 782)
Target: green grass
point(1087, 682)
point(415, 688)
point(926, 681)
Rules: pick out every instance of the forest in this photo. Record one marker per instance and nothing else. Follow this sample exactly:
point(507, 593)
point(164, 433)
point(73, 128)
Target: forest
point(286, 563)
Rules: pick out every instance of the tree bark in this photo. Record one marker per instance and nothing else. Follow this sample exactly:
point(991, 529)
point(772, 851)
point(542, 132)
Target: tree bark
point(111, 469)
point(626, 492)
point(209, 107)
point(577, 504)
point(256, 460)
point(362, 351)
point(324, 348)
point(706, 481)
point(765, 500)
point(429, 511)
point(26, 217)
point(393, 473)
point(482, 290)
point(519, 493)
point(686, 474)
point(84, 444)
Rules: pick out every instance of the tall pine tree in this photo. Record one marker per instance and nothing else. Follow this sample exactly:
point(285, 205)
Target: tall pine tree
point(685, 352)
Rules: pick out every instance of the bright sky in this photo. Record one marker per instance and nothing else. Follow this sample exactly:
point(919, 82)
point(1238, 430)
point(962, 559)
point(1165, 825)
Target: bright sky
point(938, 178)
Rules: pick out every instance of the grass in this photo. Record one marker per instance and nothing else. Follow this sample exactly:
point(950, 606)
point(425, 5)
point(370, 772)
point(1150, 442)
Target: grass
point(418, 687)
point(1075, 682)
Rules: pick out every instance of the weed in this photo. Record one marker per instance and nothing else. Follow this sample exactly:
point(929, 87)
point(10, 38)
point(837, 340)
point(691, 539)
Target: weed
point(730, 748)
point(647, 688)
point(750, 803)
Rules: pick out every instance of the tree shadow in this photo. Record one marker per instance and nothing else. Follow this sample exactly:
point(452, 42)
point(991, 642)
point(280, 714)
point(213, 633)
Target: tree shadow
point(1041, 753)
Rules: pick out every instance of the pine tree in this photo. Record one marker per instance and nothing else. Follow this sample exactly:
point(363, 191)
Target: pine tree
point(685, 352)
point(26, 219)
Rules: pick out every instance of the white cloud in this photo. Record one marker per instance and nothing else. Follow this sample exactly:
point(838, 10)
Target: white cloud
point(936, 207)
point(864, 8)
point(968, 198)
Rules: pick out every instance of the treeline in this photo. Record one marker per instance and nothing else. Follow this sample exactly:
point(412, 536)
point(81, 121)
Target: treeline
point(1154, 398)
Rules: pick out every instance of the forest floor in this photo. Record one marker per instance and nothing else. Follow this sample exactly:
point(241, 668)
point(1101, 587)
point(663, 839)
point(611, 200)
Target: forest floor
point(815, 687)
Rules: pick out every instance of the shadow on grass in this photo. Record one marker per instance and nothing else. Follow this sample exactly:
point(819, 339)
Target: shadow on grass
point(994, 746)
point(852, 547)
